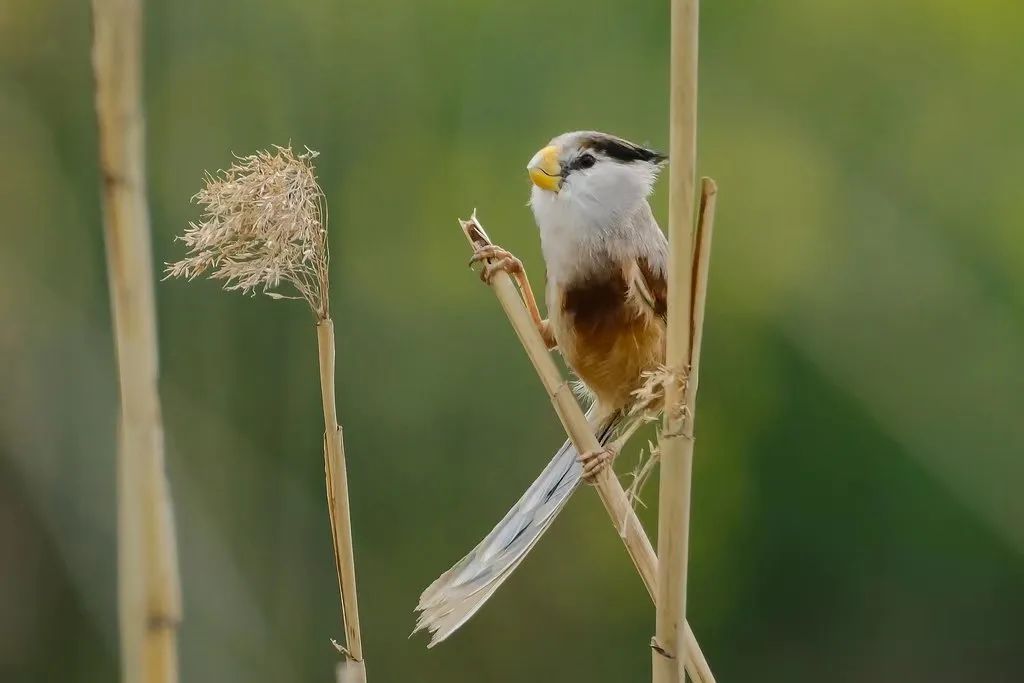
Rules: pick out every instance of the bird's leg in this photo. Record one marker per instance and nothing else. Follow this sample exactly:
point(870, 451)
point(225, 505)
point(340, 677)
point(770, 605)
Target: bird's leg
point(497, 259)
point(595, 461)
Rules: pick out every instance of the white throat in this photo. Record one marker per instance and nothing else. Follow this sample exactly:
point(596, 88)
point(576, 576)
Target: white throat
point(586, 223)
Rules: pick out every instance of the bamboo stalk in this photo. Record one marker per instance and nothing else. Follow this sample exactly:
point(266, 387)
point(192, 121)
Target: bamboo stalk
point(612, 495)
point(676, 440)
point(353, 669)
point(149, 592)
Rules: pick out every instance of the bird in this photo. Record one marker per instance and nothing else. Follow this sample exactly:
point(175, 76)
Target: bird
point(606, 293)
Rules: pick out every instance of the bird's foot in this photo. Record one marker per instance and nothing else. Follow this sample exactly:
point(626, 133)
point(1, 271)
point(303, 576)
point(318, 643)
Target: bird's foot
point(496, 259)
point(594, 462)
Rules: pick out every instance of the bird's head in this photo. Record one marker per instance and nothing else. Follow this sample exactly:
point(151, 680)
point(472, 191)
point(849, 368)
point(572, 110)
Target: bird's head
point(594, 176)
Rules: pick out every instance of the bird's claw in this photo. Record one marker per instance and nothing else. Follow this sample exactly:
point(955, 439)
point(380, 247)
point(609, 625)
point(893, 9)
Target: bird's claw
point(594, 462)
point(495, 259)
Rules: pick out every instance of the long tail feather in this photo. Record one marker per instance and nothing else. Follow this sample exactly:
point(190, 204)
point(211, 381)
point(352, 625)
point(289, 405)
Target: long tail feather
point(462, 590)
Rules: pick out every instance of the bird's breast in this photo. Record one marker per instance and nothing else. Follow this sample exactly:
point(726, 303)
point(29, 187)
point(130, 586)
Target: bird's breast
point(606, 341)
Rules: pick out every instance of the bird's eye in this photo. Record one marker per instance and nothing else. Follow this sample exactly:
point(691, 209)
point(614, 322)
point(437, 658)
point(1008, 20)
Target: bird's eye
point(586, 161)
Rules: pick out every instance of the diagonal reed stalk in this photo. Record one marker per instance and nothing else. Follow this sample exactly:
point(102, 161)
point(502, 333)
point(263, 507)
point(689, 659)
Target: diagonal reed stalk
point(264, 228)
point(612, 495)
point(149, 592)
point(685, 319)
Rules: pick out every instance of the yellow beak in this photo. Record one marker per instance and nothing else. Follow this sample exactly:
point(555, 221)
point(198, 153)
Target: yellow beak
point(544, 169)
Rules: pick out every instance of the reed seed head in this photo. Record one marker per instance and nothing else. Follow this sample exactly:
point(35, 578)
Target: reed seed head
point(263, 228)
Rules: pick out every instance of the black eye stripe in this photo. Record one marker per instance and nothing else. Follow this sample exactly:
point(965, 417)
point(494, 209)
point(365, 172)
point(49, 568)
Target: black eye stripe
point(624, 151)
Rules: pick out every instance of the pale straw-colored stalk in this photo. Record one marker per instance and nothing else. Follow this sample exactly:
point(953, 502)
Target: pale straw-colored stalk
point(264, 229)
point(149, 591)
point(612, 495)
point(352, 669)
point(676, 440)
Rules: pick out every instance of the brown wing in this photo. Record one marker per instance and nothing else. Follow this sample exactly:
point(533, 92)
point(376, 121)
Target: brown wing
point(648, 287)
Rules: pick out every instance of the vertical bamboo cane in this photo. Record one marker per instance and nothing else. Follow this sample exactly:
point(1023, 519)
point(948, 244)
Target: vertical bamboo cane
point(668, 653)
point(149, 593)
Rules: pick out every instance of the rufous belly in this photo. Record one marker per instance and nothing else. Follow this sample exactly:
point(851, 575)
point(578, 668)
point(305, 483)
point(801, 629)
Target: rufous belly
point(606, 341)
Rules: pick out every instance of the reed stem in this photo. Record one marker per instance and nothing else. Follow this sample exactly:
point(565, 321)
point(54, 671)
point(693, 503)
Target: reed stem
point(149, 590)
point(669, 658)
point(353, 669)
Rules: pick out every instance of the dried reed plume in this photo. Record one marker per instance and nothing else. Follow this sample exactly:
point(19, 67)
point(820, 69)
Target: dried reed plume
point(264, 227)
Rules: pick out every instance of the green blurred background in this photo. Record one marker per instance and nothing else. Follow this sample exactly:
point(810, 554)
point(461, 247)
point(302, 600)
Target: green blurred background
point(856, 512)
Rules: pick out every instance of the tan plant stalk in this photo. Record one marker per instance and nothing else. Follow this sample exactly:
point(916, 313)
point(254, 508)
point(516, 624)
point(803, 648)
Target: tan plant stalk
point(264, 228)
point(149, 591)
point(701, 269)
point(676, 439)
point(576, 426)
point(353, 670)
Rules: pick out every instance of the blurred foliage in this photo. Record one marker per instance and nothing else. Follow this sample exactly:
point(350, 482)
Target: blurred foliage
point(857, 514)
